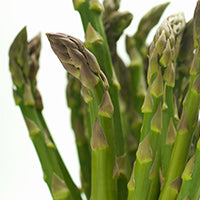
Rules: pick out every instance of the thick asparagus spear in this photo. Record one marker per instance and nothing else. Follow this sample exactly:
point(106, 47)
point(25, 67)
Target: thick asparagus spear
point(83, 65)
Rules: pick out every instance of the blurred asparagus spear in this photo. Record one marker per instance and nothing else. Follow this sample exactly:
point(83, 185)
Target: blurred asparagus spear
point(24, 65)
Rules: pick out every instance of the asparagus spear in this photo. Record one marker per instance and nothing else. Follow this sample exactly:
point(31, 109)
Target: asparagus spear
point(90, 12)
point(24, 65)
point(76, 103)
point(186, 125)
point(137, 50)
point(76, 58)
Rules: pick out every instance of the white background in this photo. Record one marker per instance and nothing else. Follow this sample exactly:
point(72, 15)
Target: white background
point(21, 176)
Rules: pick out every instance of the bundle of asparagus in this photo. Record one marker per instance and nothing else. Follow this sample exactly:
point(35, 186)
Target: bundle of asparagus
point(136, 126)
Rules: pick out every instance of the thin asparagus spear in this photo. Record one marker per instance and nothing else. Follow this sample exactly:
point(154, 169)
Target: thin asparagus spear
point(90, 12)
point(114, 25)
point(77, 106)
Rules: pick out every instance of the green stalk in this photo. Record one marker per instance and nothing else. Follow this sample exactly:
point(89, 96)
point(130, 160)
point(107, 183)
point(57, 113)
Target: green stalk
point(168, 131)
point(83, 65)
point(103, 184)
point(183, 140)
point(190, 185)
point(141, 170)
point(152, 127)
point(186, 126)
point(138, 88)
point(96, 42)
point(23, 66)
point(155, 137)
point(92, 22)
point(76, 104)
point(103, 160)
point(167, 137)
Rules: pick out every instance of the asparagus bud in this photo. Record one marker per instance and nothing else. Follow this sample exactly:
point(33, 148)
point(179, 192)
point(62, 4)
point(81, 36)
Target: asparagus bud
point(167, 54)
point(75, 58)
point(17, 75)
point(144, 154)
point(98, 140)
point(157, 86)
point(153, 64)
point(183, 123)
point(92, 36)
point(147, 106)
point(161, 42)
point(58, 187)
point(187, 173)
point(161, 177)
point(120, 166)
point(156, 123)
point(28, 96)
point(149, 20)
point(32, 127)
point(152, 173)
point(196, 85)
point(131, 183)
point(78, 3)
point(169, 75)
point(168, 38)
point(171, 133)
point(34, 47)
point(95, 5)
point(86, 95)
point(116, 24)
point(106, 108)
point(17, 98)
point(174, 188)
point(194, 67)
